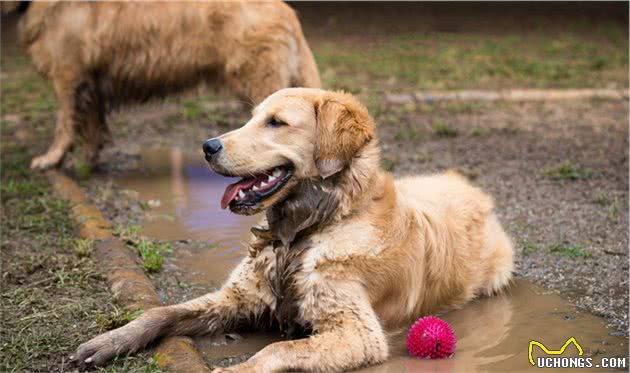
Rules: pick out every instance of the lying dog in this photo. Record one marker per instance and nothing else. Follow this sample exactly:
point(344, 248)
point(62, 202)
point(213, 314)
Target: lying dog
point(103, 54)
point(345, 252)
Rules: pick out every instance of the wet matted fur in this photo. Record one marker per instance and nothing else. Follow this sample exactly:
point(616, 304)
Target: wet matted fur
point(345, 251)
point(99, 55)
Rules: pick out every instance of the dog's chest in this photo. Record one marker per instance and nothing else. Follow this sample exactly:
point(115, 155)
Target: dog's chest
point(281, 277)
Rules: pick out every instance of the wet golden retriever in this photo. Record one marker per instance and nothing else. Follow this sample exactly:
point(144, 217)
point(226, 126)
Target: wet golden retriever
point(345, 252)
point(103, 54)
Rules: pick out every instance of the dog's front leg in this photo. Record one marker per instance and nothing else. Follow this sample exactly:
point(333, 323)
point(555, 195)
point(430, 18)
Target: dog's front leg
point(65, 127)
point(237, 302)
point(348, 335)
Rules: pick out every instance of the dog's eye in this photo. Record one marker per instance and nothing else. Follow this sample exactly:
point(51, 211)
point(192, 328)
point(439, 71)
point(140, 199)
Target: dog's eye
point(273, 122)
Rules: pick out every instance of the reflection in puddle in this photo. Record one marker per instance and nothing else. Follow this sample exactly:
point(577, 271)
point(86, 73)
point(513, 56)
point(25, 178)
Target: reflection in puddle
point(493, 333)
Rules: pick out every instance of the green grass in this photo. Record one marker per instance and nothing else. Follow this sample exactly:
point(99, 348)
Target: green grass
point(569, 171)
point(388, 164)
point(444, 130)
point(435, 60)
point(409, 133)
point(128, 233)
point(116, 318)
point(573, 251)
point(82, 247)
point(151, 253)
point(530, 248)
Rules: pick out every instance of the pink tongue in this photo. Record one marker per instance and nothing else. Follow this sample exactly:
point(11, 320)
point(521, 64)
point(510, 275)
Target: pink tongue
point(232, 190)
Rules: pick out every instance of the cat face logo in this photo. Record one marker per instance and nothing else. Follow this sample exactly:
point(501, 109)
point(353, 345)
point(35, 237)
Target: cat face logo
point(553, 352)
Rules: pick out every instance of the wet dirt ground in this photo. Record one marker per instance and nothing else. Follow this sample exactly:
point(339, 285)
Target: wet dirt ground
point(493, 333)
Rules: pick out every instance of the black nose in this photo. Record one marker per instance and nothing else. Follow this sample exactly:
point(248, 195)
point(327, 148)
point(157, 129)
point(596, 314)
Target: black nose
point(211, 147)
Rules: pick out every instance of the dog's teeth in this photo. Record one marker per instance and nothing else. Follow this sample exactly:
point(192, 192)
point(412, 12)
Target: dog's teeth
point(271, 178)
point(241, 194)
point(277, 172)
point(263, 184)
point(255, 188)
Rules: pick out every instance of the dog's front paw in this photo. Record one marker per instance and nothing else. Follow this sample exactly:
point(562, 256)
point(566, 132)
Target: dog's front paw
point(99, 350)
point(46, 161)
point(245, 367)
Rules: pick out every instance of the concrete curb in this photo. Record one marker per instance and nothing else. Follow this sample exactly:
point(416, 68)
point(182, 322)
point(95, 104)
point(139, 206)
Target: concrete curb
point(130, 286)
point(507, 95)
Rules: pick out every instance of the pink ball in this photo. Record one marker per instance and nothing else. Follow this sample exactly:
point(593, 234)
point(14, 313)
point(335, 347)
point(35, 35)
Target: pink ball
point(431, 338)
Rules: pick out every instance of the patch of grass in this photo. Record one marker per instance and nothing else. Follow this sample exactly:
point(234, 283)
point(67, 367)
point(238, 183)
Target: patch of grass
point(128, 233)
point(191, 109)
point(408, 134)
point(569, 171)
point(152, 254)
point(443, 130)
point(116, 318)
point(614, 210)
point(530, 248)
point(438, 60)
point(82, 247)
point(388, 164)
point(477, 132)
point(573, 251)
point(602, 198)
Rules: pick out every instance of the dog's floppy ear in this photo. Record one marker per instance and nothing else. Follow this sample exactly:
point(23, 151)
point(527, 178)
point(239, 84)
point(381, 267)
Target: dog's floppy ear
point(343, 128)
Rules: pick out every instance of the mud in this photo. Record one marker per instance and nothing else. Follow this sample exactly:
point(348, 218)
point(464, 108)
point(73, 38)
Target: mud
point(493, 333)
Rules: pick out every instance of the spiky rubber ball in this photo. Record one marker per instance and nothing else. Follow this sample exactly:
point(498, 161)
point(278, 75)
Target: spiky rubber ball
point(431, 338)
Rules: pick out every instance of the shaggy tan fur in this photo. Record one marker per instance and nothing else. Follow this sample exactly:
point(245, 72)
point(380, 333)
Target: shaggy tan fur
point(103, 54)
point(346, 253)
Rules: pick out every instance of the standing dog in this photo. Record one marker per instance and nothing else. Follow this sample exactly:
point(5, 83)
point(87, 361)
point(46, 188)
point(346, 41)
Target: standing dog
point(103, 54)
point(345, 252)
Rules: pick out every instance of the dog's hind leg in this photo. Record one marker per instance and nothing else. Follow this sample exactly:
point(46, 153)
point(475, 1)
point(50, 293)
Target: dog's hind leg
point(65, 126)
point(91, 112)
point(347, 335)
point(238, 302)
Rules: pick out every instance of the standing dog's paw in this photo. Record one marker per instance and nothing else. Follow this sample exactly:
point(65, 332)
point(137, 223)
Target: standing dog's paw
point(98, 351)
point(45, 161)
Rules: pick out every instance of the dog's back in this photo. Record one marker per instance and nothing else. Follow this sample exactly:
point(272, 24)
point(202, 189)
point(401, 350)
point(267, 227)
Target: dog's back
point(156, 48)
point(459, 218)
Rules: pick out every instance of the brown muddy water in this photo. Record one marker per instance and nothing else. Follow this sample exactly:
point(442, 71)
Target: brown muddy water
point(493, 334)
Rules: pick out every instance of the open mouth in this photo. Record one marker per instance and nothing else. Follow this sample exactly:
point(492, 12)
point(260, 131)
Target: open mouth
point(248, 192)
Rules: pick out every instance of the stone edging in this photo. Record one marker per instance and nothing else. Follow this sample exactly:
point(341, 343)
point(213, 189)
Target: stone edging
point(127, 281)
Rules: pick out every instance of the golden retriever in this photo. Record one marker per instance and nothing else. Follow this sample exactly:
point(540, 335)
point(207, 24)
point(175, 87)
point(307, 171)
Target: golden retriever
point(103, 54)
point(345, 252)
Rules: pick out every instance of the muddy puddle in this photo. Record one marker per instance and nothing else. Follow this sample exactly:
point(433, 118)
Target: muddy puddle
point(493, 334)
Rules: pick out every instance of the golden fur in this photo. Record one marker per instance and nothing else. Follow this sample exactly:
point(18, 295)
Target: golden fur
point(345, 252)
point(103, 54)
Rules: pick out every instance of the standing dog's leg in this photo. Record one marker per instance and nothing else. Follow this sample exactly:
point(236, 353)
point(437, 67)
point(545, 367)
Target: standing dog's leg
point(237, 302)
point(90, 107)
point(347, 335)
point(65, 127)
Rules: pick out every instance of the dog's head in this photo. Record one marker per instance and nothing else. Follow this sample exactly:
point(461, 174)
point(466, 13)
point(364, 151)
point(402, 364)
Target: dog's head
point(296, 135)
